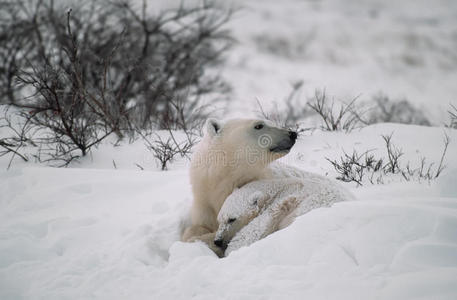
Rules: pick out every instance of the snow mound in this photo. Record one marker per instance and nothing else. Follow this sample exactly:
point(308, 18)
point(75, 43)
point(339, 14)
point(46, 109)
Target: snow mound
point(114, 234)
point(446, 184)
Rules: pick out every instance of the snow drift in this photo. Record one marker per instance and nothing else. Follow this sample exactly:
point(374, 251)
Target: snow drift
point(83, 233)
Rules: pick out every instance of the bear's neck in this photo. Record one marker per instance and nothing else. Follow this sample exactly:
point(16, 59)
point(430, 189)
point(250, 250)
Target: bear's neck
point(215, 174)
point(219, 182)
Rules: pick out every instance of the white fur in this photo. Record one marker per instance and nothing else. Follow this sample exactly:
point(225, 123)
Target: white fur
point(228, 157)
point(265, 206)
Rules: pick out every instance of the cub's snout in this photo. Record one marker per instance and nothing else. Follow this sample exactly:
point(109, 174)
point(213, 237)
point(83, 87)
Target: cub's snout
point(220, 243)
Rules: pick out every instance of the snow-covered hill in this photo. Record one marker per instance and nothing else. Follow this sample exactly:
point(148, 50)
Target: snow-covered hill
point(94, 232)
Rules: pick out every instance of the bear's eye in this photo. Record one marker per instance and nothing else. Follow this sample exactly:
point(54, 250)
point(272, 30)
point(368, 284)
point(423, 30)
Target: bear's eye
point(231, 220)
point(258, 126)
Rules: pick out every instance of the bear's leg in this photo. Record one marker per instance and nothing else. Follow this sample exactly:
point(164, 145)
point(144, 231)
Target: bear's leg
point(194, 231)
point(203, 221)
point(209, 240)
point(199, 233)
point(203, 228)
point(287, 220)
point(283, 214)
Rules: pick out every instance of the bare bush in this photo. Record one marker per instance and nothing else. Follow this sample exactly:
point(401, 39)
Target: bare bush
point(334, 115)
point(341, 116)
point(334, 118)
point(386, 110)
point(453, 115)
point(354, 167)
point(166, 149)
point(17, 135)
point(362, 167)
point(69, 117)
point(426, 171)
point(292, 114)
point(108, 67)
point(148, 68)
point(393, 155)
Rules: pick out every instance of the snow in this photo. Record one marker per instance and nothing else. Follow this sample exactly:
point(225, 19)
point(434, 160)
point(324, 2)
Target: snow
point(101, 233)
point(67, 228)
point(105, 229)
point(350, 48)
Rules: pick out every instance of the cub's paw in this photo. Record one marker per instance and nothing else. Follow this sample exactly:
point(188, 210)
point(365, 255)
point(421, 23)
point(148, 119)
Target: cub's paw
point(286, 207)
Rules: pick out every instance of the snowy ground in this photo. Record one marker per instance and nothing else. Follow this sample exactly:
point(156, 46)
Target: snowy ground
point(82, 233)
point(95, 232)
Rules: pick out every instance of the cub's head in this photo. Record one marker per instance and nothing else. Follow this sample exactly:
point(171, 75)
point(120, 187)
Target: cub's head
point(246, 142)
point(240, 208)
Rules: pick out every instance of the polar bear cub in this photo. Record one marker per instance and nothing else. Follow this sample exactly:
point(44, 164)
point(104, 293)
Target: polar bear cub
point(262, 207)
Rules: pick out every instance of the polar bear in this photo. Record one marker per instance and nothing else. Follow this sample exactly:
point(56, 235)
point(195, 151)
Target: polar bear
point(262, 207)
point(230, 155)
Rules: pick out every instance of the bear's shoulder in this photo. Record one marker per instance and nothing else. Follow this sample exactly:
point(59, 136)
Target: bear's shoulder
point(282, 170)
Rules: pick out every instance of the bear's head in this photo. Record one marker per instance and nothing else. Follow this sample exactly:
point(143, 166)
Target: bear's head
point(244, 143)
point(240, 208)
point(252, 200)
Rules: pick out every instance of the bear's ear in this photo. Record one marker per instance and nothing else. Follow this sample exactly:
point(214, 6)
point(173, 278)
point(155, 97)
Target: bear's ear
point(258, 199)
point(212, 127)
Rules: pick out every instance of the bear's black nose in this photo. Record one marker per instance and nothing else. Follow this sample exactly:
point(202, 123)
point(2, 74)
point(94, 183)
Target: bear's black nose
point(293, 135)
point(219, 243)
